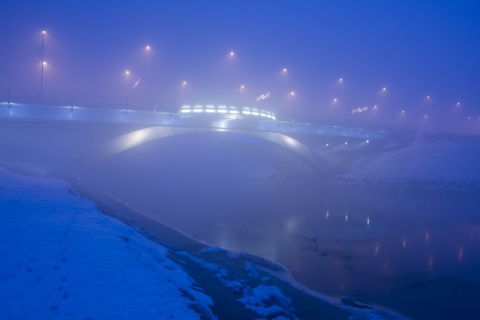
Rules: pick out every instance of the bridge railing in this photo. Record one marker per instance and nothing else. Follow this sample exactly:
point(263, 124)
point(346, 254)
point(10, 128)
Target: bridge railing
point(73, 113)
point(125, 115)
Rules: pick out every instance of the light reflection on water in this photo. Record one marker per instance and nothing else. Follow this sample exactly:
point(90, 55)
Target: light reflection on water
point(417, 252)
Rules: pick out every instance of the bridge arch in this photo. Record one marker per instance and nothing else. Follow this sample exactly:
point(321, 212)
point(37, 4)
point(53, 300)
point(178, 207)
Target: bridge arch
point(104, 150)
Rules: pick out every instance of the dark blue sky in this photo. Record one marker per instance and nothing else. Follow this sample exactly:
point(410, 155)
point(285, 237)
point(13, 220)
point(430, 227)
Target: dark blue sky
point(413, 48)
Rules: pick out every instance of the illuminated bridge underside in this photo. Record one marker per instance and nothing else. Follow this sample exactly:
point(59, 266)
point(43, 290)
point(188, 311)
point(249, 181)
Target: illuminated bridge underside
point(303, 154)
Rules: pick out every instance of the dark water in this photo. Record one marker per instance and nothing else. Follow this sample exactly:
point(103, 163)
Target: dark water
point(414, 251)
point(417, 252)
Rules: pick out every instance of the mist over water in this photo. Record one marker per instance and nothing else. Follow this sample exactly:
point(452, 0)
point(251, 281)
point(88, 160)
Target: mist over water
point(401, 247)
point(391, 77)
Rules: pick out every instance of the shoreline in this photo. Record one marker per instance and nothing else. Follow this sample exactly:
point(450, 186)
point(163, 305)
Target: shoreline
point(176, 241)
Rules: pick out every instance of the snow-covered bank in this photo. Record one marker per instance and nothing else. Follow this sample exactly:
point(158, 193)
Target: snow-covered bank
point(61, 257)
point(431, 162)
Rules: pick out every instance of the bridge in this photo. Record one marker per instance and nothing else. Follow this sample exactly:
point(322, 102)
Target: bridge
point(85, 136)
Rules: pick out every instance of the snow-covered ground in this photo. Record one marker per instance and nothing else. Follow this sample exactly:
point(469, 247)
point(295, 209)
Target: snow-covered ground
point(63, 258)
point(431, 161)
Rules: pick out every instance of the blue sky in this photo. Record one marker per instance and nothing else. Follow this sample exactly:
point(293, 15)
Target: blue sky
point(413, 48)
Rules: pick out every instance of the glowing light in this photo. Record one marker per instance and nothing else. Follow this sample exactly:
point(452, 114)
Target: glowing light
point(136, 83)
point(292, 93)
point(44, 63)
point(428, 97)
point(346, 217)
point(403, 111)
point(368, 141)
point(404, 243)
point(246, 110)
point(198, 109)
point(425, 116)
point(284, 70)
point(210, 109)
point(384, 89)
point(44, 32)
point(326, 145)
point(346, 142)
point(375, 107)
point(368, 221)
point(222, 109)
point(186, 109)
point(127, 72)
point(340, 80)
point(263, 96)
point(335, 100)
point(234, 110)
point(184, 82)
point(327, 215)
point(147, 48)
point(359, 110)
point(232, 53)
point(136, 137)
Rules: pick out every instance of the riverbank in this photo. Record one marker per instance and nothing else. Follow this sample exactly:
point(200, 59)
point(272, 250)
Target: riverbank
point(59, 248)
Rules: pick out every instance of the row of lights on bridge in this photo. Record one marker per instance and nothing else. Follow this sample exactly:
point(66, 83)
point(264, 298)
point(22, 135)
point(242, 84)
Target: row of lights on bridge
point(229, 110)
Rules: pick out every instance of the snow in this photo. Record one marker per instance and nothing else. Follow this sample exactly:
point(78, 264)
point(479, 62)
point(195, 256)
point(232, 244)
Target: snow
point(265, 301)
point(61, 257)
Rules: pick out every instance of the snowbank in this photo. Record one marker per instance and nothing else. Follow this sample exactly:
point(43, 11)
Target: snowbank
point(60, 257)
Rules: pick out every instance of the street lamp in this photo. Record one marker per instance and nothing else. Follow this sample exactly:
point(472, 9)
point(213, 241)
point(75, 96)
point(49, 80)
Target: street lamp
point(240, 92)
point(148, 48)
point(291, 105)
point(126, 79)
point(184, 83)
point(43, 64)
point(126, 89)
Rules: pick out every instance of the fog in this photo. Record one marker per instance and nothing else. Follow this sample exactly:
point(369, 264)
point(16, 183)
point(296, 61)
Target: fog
point(366, 183)
point(399, 236)
point(423, 54)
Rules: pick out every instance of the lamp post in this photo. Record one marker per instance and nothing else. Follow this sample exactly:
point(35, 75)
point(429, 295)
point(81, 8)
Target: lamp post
point(240, 92)
point(43, 64)
point(184, 83)
point(126, 87)
point(126, 80)
point(291, 105)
